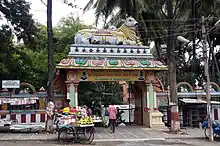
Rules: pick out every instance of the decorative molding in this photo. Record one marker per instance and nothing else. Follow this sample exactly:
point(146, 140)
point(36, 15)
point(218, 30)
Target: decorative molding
point(109, 63)
point(85, 50)
point(161, 84)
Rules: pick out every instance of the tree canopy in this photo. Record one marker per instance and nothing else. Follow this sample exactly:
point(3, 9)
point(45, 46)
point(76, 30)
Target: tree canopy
point(23, 49)
point(153, 19)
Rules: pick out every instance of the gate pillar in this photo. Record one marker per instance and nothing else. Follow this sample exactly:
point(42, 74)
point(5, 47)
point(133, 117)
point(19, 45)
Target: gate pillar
point(72, 92)
point(152, 117)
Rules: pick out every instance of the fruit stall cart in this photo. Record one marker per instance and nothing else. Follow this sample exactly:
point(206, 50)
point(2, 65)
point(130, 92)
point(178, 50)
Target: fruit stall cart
point(75, 126)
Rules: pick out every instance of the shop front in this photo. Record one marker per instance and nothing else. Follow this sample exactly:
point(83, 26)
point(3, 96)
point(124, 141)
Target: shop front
point(25, 107)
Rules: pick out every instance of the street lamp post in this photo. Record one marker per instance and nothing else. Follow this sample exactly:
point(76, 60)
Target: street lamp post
point(206, 70)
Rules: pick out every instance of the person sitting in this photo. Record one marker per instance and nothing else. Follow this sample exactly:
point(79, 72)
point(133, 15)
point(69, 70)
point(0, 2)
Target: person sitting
point(67, 103)
point(89, 112)
point(66, 109)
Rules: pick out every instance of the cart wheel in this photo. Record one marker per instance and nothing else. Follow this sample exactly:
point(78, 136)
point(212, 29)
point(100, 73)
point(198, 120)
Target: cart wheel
point(66, 135)
point(88, 136)
point(57, 126)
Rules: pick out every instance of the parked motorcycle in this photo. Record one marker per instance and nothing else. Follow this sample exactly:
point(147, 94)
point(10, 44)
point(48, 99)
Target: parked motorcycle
point(119, 119)
point(215, 127)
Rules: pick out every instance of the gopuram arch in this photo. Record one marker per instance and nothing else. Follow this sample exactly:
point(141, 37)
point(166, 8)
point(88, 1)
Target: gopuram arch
point(88, 61)
point(186, 84)
point(27, 85)
point(216, 86)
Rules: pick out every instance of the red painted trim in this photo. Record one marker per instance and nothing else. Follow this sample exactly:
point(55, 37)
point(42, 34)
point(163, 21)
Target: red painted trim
point(155, 109)
point(3, 116)
point(42, 118)
point(215, 114)
point(174, 116)
point(33, 118)
point(13, 117)
point(23, 118)
point(146, 109)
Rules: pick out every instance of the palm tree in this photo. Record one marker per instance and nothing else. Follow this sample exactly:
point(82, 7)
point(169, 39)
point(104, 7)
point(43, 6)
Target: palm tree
point(107, 7)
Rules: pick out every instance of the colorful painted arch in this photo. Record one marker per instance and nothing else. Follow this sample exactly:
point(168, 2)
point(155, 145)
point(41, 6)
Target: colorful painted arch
point(108, 63)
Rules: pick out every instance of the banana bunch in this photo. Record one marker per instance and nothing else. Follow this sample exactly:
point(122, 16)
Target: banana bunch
point(85, 121)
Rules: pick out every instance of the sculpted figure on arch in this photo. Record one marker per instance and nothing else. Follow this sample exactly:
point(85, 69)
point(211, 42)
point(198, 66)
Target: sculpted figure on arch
point(124, 35)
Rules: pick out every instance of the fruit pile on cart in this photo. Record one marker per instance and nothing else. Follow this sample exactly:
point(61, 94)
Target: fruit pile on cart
point(75, 126)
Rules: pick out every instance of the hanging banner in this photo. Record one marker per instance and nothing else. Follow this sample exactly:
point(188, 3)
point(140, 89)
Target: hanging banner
point(110, 75)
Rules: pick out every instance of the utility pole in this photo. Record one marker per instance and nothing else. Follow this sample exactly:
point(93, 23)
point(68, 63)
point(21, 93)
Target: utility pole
point(194, 35)
point(50, 90)
point(193, 32)
point(206, 69)
point(171, 61)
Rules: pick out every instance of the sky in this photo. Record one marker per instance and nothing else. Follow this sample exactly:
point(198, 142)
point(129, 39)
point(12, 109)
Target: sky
point(59, 10)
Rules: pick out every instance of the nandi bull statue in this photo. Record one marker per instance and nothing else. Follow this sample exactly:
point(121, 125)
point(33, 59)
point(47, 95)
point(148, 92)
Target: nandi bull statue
point(124, 35)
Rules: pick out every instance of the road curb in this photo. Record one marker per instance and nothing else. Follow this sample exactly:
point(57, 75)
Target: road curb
point(111, 140)
point(55, 139)
point(185, 138)
point(129, 140)
point(95, 140)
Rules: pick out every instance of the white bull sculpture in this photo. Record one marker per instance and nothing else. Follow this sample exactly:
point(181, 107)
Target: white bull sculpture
point(124, 35)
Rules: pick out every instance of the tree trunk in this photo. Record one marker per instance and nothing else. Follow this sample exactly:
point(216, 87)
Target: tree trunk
point(50, 51)
point(51, 70)
point(172, 68)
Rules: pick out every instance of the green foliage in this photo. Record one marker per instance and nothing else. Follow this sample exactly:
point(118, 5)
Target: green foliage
point(16, 12)
point(28, 61)
point(91, 94)
point(14, 62)
point(95, 94)
point(153, 20)
point(63, 38)
point(64, 34)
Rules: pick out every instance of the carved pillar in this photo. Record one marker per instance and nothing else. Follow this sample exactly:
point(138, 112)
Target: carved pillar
point(146, 106)
point(147, 101)
point(150, 97)
point(72, 92)
point(156, 84)
point(125, 93)
point(152, 117)
point(76, 94)
point(72, 87)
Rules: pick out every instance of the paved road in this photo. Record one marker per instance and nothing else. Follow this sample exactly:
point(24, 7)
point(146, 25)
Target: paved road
point(129, 132)
point(169, 142)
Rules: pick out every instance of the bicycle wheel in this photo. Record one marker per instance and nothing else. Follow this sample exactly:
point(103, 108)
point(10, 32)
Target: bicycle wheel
point(57, 125)
point(88, 137)
point(66, 135)
point(206, 132)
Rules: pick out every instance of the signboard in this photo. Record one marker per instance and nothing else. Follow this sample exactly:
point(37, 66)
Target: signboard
point(10, 83)
point(110, 75)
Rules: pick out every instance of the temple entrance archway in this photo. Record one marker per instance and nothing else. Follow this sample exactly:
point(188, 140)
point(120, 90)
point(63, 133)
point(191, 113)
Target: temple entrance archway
point(132, 66)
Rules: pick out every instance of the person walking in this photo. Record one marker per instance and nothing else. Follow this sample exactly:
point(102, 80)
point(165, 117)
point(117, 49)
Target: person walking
point(112, 110)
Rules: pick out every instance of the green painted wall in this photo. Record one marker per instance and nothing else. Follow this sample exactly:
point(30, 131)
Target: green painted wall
point(151, 96)
point(72, 96)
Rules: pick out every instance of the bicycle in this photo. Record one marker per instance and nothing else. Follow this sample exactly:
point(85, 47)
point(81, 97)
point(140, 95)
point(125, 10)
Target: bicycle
point(83, 134)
